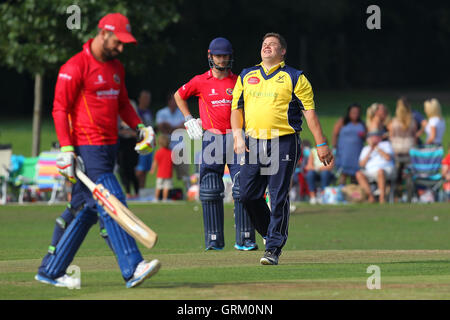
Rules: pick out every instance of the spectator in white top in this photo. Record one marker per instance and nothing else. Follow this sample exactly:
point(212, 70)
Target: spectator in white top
point(434, 125)
point(377, 164)
point(169, 118)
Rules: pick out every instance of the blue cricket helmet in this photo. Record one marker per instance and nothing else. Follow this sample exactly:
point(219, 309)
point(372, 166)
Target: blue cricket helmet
point(220, 46)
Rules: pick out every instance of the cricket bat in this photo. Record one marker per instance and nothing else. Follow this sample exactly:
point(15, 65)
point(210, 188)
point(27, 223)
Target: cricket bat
point(120, 213)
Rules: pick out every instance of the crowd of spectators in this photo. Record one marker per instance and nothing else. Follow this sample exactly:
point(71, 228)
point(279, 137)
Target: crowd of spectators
point(372, 154)
point(375, 154)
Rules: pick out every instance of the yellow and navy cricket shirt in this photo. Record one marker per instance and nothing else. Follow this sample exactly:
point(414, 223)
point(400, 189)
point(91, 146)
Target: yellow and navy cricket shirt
point(272, 100)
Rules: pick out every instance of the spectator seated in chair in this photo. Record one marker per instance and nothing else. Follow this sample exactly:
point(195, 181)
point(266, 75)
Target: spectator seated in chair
point(316, 169)
point(377, 164)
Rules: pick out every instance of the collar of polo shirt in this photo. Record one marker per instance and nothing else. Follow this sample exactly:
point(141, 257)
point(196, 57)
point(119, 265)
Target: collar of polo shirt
point(274, 68)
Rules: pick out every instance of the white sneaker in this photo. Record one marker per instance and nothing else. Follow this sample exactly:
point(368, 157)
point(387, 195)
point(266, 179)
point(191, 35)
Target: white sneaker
point(143, 271)
point(64, 281)
point(313, 200)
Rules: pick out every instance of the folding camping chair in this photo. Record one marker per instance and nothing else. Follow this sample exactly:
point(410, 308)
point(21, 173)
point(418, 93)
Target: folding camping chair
point(425, 170)
point(5, 163)
point(47, 178)
point(26, 178)
point(391, 185)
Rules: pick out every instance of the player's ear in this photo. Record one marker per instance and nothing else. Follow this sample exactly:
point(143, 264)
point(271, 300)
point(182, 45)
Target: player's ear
point(104, 34)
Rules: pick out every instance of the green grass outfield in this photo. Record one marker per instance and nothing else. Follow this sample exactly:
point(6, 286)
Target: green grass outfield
point(326, 257)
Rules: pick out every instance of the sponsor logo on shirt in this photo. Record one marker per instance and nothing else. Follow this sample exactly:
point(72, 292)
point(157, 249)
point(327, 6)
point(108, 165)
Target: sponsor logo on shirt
point(261, 94)
point(65, 76)
point(108, 94)
point(253, 80)
point(220, 102)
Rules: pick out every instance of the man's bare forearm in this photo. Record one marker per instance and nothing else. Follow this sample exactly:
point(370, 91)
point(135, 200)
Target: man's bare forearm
point(182, 104)
point(314, 126)
point(237, 121)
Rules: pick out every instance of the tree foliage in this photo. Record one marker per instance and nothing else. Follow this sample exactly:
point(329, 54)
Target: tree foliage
point(34, 36)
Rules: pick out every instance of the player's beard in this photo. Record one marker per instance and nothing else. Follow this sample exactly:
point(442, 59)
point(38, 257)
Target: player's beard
point(109, 53)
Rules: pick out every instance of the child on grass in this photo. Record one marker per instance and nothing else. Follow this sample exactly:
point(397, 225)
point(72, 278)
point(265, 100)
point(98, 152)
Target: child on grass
point(162, 164)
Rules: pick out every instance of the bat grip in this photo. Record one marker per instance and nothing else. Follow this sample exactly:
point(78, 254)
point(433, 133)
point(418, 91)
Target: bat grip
point(85, 179)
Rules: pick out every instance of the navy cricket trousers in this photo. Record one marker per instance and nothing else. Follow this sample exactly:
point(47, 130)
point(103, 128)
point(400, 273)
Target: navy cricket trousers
point(98, 160)
point(217, 151)
point(269, 163)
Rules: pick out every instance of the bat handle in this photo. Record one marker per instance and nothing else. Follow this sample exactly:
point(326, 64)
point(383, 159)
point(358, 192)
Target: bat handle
point(84, 178)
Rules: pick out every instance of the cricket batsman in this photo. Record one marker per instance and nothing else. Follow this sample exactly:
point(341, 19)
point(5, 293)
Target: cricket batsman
point(214, 90)
point(90, 95)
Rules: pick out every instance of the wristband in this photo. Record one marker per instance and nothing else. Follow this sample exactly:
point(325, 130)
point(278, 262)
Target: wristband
point(322, 144)
point(188, 117)
point(140, 126)
point(68, 149)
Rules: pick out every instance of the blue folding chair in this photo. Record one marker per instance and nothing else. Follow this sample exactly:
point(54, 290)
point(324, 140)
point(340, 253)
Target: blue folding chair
point(425, 170)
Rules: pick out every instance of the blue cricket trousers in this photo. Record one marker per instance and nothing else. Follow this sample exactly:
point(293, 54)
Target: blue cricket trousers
point(217, 150)
point(269, 163)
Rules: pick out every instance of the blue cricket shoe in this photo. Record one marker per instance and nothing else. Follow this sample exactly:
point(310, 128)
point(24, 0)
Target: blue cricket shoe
point(248, 246)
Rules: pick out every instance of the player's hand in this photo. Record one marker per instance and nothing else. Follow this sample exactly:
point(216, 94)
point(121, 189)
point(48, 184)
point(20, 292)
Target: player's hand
point(325, 155)
point(146, 141)
point(194, 129)
point(65, 162)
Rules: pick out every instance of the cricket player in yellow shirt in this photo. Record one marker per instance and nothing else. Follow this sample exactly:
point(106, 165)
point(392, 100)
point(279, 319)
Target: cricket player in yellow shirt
point(269, 101)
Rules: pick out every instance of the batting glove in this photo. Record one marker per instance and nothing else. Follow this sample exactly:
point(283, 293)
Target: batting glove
point(65, 162)
point(146, 140)
point(194, 128)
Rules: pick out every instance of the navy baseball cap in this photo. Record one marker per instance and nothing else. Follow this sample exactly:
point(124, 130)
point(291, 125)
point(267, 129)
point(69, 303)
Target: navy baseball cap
point(220, 46)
